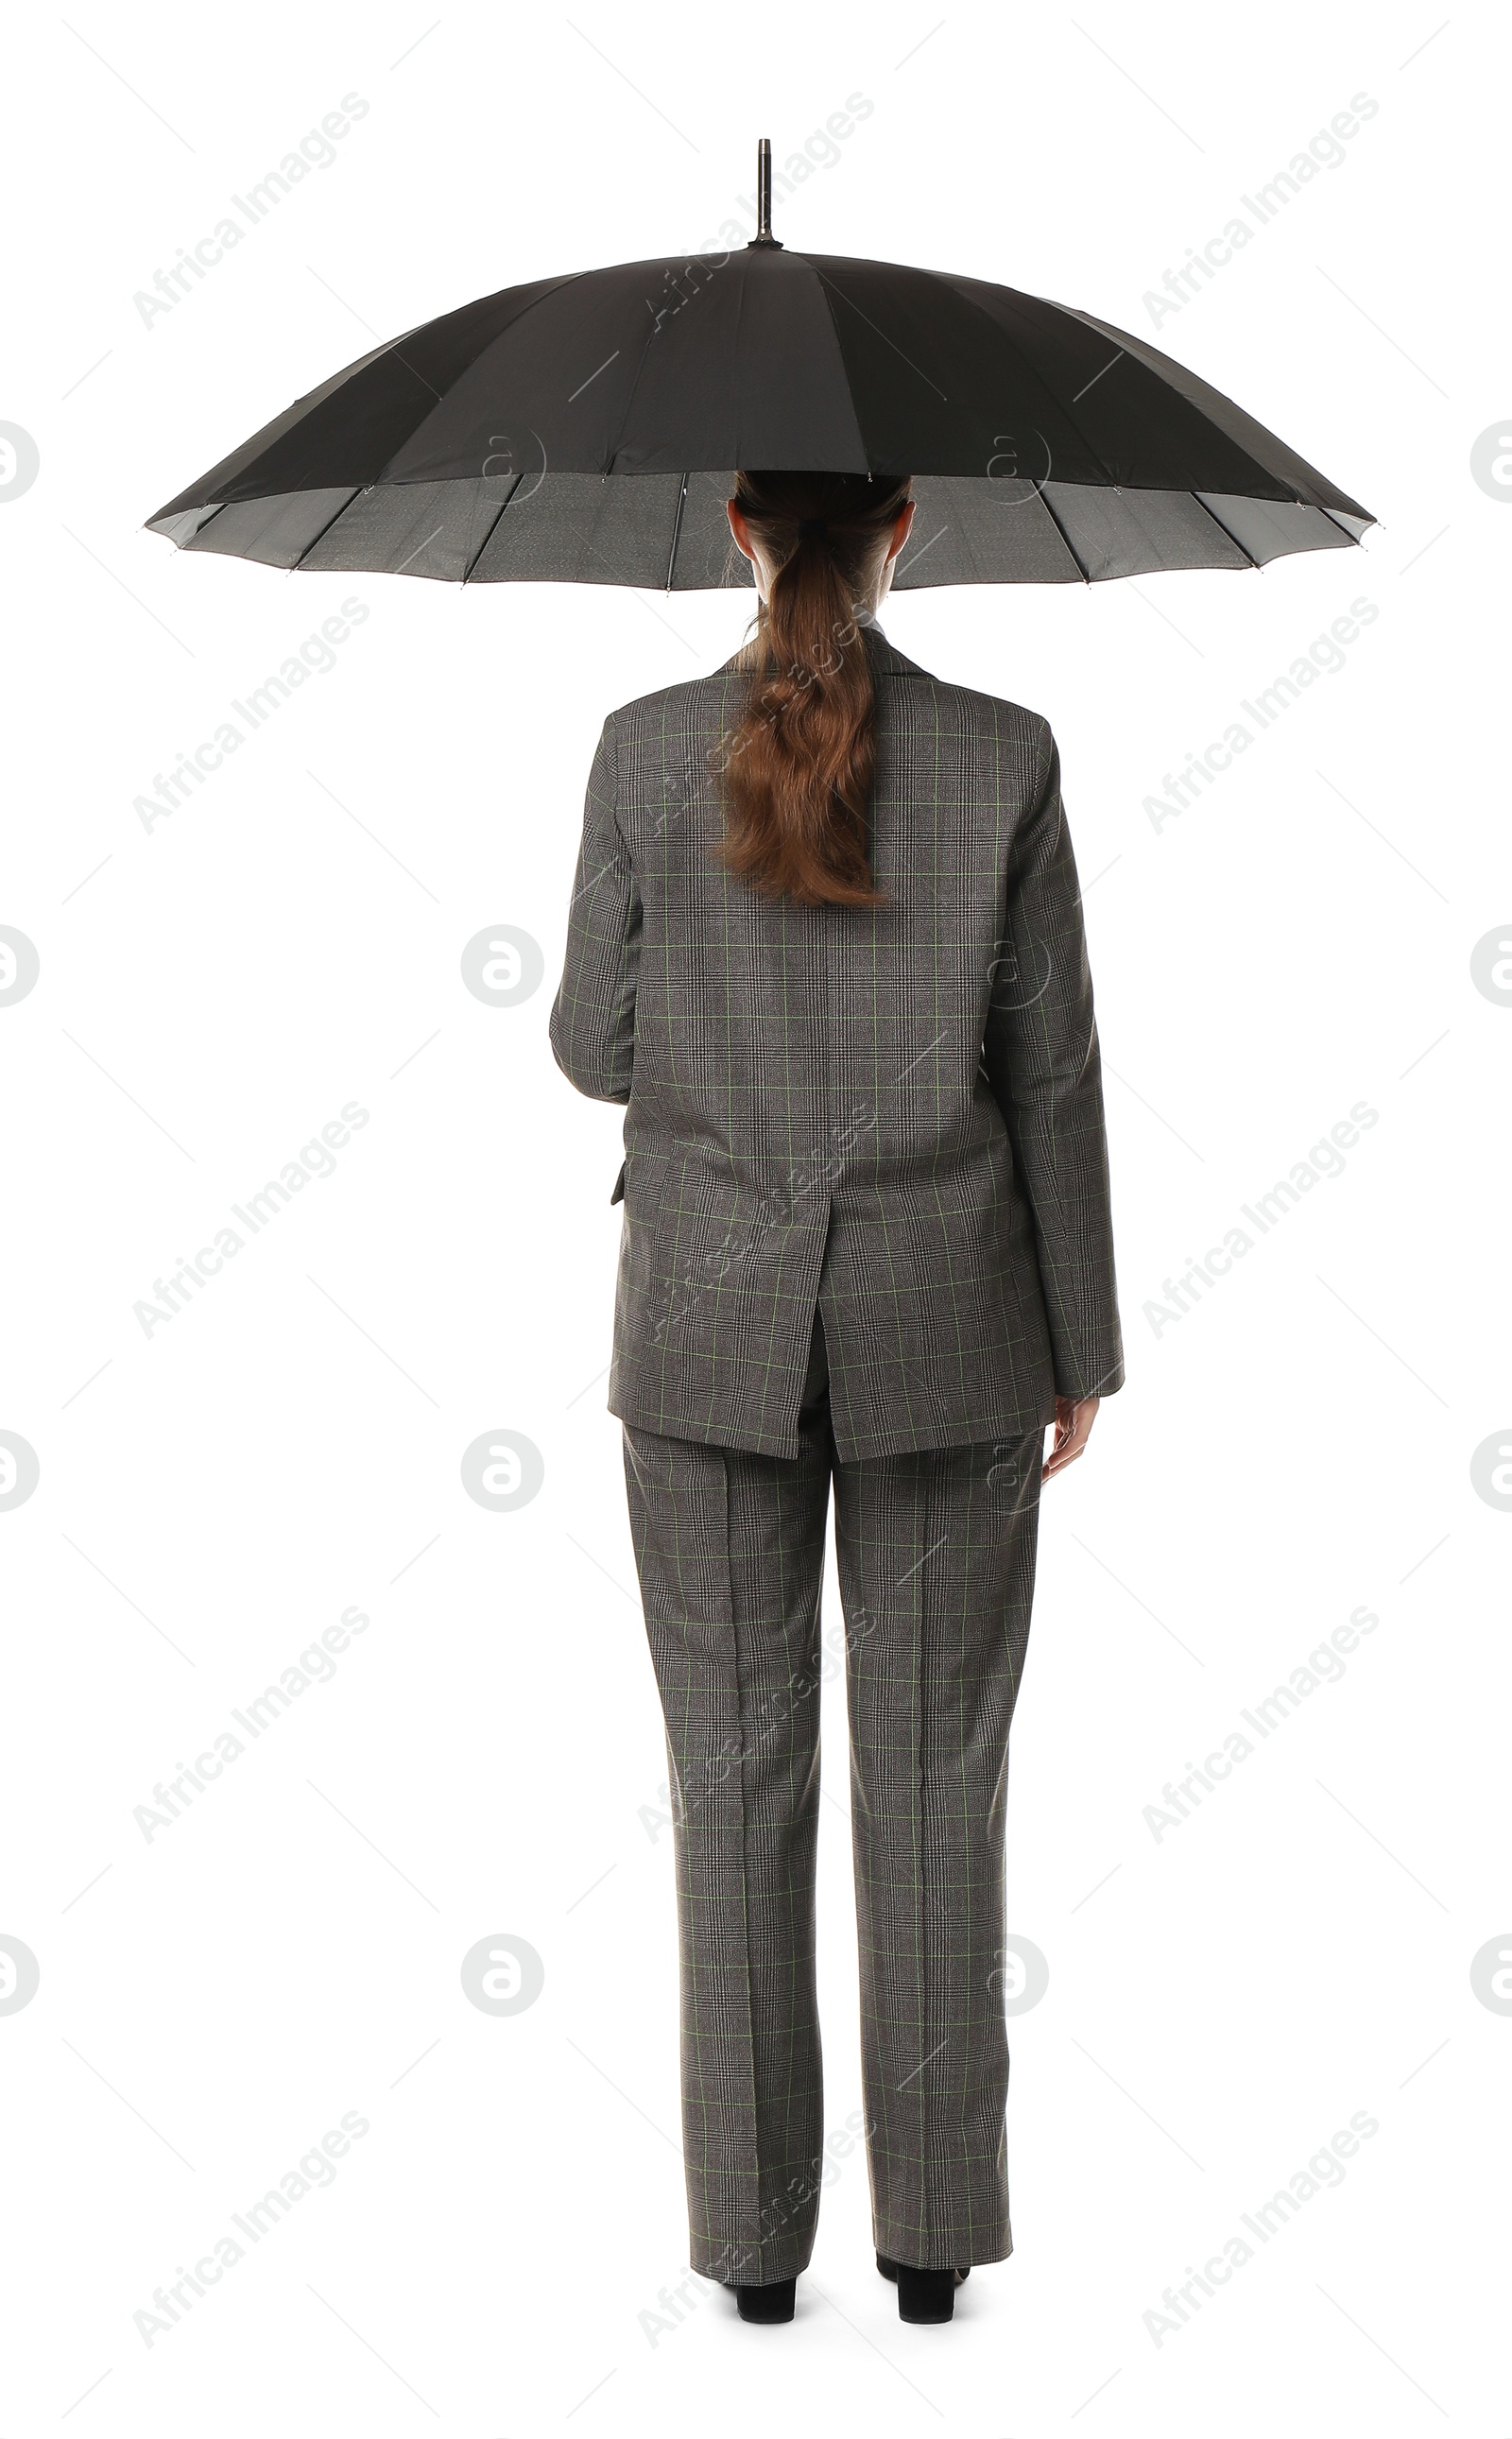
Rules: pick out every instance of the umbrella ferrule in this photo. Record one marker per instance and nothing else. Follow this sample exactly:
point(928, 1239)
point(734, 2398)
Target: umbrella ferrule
point(763, 235)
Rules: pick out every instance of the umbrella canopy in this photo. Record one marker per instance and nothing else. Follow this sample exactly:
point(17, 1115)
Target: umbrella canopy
point(586, 430)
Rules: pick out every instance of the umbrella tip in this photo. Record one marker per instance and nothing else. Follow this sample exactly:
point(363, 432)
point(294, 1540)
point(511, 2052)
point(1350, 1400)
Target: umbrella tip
point(763, 235)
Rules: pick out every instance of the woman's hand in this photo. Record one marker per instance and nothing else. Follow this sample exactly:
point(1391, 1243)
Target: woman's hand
point(1074, 1417)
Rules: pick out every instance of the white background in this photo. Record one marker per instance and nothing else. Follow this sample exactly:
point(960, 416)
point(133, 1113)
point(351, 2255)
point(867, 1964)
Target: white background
point(486, 1758)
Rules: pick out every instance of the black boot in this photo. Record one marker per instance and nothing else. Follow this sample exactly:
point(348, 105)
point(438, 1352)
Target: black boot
point(925, 2296)
point(774, 2301)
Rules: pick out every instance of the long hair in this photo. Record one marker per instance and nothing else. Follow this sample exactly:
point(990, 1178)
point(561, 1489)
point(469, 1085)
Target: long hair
point(797, 769)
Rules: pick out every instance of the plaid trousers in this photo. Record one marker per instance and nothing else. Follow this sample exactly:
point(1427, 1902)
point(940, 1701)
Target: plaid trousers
point(935, 1550)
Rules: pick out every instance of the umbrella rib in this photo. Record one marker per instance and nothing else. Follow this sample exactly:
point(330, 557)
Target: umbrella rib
point(219, 511)
point(440, 396)
point(908, 360)
point(1076, 560)
point(1130, 357)
point(630, 395)
point(824, 286)
point(1006, 338)
point(295, 564)
point(677, 529)
point(1356, 540)
point(495, 527)
point(1224, 530)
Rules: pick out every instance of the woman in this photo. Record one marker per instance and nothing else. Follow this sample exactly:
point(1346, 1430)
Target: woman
point(826, 945)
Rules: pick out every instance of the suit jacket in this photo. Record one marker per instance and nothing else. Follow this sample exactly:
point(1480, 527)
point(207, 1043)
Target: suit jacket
point(894, 1114)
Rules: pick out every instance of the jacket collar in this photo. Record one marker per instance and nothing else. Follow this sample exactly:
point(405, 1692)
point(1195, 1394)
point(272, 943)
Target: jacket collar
point(884, 657)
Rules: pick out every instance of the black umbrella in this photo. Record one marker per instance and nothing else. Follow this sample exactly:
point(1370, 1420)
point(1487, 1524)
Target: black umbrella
point(586, 430)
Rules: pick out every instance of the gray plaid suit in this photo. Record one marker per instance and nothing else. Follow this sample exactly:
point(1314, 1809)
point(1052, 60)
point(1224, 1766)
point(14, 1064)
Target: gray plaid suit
point(895, 1115)
point(865, 1241)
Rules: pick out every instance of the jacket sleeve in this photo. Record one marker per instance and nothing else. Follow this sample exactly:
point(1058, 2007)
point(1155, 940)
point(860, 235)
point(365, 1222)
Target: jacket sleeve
point(592, 1022)
point(1041, 1059)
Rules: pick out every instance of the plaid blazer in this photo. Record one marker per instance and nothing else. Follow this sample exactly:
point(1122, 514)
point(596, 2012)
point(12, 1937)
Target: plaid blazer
point(894, 1114)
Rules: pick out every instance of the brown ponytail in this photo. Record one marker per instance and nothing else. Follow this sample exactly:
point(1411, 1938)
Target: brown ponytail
point(798, 766)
